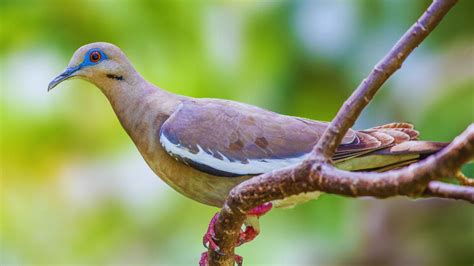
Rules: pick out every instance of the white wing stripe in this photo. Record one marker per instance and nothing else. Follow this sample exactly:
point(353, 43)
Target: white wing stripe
point(226, 165)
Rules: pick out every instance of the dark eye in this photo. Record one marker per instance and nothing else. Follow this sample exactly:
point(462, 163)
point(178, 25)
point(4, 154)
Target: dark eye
point(94, 57)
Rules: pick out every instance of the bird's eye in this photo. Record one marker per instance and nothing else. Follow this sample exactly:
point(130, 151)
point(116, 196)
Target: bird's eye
point(94, 57)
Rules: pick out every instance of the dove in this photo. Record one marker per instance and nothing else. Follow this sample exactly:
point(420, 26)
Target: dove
point(203, 147)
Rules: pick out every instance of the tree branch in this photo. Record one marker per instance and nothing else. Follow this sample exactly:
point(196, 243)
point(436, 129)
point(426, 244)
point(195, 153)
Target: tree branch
point(450, 191)
point(364, 93)
point(412, 181)
point(318, 174)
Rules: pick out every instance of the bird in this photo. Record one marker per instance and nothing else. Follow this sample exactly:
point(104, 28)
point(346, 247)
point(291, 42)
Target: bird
point(203, 147)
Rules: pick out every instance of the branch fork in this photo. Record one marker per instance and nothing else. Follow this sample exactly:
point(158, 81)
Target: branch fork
point(318, 174)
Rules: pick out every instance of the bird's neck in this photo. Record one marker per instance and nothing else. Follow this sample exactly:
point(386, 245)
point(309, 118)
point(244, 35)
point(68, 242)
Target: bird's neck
point(141, 107)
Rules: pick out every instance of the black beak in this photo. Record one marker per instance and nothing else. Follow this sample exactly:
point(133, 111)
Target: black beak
point(63, 76)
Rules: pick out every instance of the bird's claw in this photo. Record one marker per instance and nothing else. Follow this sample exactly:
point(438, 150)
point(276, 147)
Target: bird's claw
point(204, 261)
point(261, 209)
point(245, 236)
point(250, 233)
point(208, 239)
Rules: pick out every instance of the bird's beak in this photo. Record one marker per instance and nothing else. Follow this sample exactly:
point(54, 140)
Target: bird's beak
point(69, 72)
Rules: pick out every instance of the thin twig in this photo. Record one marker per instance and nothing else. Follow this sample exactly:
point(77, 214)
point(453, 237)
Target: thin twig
point(450, 191)
point(464, 180)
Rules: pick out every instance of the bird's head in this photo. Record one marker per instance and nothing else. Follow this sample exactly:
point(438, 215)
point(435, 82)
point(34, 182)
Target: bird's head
point(96, 62)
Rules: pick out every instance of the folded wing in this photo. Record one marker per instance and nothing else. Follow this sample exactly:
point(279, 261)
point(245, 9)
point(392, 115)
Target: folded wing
point(227, 138)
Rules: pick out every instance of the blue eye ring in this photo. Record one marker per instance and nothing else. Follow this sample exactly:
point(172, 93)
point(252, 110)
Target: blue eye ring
point(95, 56)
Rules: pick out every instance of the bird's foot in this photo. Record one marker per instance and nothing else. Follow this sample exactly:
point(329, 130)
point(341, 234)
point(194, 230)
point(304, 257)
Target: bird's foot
point(248, 234)
point(204, 261)
point(208, 239)
point(261, 210)
point(251, 231)
point(252, 228)
point(208, 242)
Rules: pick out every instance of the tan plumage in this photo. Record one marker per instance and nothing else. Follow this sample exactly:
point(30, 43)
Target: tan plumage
point(204, 147)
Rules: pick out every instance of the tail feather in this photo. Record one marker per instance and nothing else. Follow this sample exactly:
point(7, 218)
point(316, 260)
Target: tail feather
point(385, 138)
point(363, 142)
point(420, 149)
point(406, 128)
point(398, 136)
point(384, 148)
point(396, 125)
point(376, 138)
point(413, 147)
point(410, 132)
point(400, 131)
point(393, 166)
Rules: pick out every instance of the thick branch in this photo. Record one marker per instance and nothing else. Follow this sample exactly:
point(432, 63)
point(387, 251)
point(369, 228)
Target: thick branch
point(317, 174)
point(352, 108)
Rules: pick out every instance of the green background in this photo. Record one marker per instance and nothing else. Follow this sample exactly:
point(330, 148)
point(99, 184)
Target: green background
point(74, 189)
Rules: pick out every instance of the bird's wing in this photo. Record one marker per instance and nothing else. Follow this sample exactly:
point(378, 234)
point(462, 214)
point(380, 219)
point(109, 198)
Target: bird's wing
point(227, 138)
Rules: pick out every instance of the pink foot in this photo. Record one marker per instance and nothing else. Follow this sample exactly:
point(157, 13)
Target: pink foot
point(250, 233)
point(261, 209)
point(245, 236)
point(204, 261)
point(209, 236)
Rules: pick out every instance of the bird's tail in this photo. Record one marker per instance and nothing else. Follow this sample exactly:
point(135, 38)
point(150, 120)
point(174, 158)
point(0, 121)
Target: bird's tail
point(398, 147)
point(407, 153)
point(377, 149)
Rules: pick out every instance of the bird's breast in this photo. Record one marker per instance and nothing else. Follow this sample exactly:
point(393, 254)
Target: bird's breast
point(142, 122)
point(197, 185)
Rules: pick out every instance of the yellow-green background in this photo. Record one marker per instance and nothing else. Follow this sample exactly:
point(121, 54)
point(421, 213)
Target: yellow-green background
point(74, 190)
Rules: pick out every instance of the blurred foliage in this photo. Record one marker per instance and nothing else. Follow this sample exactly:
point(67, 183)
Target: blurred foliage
point(75, 191)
